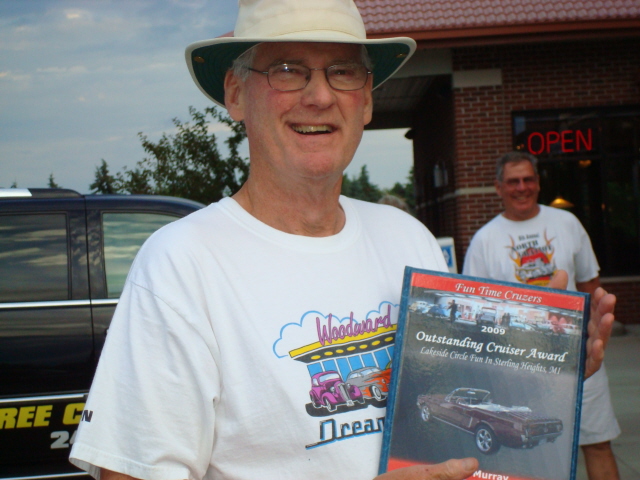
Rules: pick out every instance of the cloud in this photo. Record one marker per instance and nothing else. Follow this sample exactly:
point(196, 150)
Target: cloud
point(305, 331)
point(14, 77)
point(75, 70)
point(81, 78)
point(77, 15)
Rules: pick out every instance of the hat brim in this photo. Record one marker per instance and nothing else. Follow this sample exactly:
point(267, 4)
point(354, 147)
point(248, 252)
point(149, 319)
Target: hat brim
point(209, 60)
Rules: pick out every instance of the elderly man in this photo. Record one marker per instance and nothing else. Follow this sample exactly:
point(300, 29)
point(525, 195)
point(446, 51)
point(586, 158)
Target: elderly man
point(227, 355)
point(528, 243)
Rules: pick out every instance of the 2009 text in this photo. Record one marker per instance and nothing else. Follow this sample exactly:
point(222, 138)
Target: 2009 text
point(496, 330)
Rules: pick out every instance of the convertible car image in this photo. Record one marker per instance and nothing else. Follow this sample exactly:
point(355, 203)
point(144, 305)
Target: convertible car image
point(372, 382)
point(328, 390)
point(487, 316)
point(492, 425)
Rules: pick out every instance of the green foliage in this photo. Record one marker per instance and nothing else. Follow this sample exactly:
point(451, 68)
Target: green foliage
point(135, 181)
point(52, 182)
point(186, 164)
point(361, 187)
point(104, 182)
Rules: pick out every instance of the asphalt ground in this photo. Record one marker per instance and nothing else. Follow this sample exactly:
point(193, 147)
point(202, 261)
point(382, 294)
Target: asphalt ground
point(623, 368)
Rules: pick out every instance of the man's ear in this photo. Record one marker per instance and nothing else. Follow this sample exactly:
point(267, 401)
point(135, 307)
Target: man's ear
point(368, 99)
point(234, 96)
point(496, 183)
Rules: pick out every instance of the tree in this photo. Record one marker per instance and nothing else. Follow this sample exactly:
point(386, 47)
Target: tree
point(186, 164)
point(134, 181)
point(189, 164)
point(361, 187)
point(104, 182)
point(52, 182)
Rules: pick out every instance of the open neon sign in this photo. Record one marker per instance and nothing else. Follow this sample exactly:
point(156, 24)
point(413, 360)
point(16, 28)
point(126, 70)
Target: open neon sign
point(566, 141)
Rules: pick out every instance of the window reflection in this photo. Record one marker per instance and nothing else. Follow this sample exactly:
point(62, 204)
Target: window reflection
point(124, 234)
point(34, 258)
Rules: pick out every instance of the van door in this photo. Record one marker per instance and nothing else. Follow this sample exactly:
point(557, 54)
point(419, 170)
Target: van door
point(46, 342)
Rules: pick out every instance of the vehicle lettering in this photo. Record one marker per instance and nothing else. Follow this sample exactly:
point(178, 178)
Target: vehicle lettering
point(25, 417)
point(73, 413)
point(61, 439)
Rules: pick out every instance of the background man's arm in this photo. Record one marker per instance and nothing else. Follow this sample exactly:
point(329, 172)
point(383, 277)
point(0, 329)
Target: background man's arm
point(589, 286)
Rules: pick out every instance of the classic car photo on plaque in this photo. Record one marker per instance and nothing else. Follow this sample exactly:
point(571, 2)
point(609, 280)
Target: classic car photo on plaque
point(492, 425)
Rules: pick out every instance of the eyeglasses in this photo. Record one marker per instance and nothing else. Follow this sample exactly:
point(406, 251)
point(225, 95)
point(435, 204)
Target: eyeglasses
point(290, 77)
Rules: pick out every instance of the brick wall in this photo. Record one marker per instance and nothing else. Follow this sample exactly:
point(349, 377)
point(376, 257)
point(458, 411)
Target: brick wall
point(534, 76)
point(628, 306)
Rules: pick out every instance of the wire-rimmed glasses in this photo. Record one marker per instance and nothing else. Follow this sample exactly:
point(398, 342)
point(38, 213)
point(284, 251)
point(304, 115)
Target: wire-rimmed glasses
point(288, 77)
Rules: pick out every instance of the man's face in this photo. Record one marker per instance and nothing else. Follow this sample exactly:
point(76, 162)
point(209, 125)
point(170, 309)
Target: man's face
point(519, 190)
point(307, 134)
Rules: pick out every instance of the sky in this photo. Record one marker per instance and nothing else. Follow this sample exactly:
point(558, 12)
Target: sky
point(79, 79)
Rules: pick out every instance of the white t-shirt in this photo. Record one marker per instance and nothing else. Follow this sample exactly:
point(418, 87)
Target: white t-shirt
point(531, 251)
point(224, 322)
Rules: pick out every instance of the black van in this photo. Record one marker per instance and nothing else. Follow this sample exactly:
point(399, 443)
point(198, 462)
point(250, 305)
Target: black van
point(64, 258)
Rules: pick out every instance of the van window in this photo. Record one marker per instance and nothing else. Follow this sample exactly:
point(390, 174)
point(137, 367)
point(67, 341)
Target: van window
point(34, 258)
point(124, 234)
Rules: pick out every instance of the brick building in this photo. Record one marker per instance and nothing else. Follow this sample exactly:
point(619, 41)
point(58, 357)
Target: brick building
point(557, 78)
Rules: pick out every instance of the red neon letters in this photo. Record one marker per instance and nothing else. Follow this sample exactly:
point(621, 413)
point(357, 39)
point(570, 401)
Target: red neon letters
point(568, 141)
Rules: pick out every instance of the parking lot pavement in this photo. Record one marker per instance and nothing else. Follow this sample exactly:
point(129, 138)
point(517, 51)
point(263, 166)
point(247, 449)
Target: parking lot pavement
point(623, 369)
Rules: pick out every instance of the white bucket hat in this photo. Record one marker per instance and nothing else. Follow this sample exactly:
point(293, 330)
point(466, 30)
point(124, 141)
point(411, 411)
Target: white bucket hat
point(259, 21)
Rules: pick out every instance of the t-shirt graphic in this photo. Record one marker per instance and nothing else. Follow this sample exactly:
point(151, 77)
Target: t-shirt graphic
point(533, 258)
point(348, 361)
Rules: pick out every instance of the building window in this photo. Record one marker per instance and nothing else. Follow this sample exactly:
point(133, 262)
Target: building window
point(589, 165)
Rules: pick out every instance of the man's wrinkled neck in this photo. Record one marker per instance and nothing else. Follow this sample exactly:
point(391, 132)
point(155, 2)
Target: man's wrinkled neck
point(313, 211)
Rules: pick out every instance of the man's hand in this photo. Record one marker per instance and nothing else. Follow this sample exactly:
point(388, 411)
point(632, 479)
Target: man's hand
point(449, 470)
point(600, 318)
point(600, 325)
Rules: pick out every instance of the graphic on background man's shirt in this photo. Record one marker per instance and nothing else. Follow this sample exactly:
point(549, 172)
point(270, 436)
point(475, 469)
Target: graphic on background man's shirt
point(533, 258)
point(348, 360)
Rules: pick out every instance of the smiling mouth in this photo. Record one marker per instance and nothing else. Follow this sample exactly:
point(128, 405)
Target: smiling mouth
point(312, 129)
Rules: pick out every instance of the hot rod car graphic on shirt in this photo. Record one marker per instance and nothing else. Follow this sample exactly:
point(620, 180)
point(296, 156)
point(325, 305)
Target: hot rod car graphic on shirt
point(492, 425)
point(372, 382)
point(329, 390)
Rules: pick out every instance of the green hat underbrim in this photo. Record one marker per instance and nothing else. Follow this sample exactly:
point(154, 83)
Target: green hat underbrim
point(209, 60)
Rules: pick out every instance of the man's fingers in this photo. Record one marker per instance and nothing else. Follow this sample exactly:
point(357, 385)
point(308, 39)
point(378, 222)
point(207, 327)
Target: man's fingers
point(600, 325)
point(455, 469)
